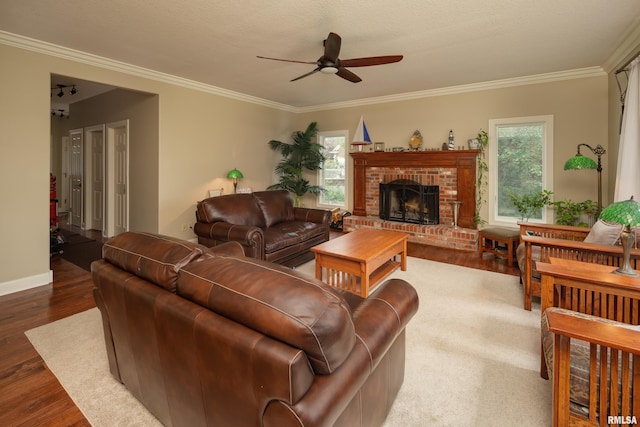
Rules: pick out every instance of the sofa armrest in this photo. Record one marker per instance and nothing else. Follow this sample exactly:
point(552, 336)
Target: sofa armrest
point(381, 317)
point(320, 216)
point(594, 329)
point(231, 248)
point(380, 322)
point(246, 235)
point(566, 232)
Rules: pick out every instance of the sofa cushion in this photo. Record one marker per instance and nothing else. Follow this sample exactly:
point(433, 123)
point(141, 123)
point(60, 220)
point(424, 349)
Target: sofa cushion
point(152, 257)
point(276, 301)
point(276, 206)
point(290, 233)
point(238, 209)
point(604, 233)
point(535, 256)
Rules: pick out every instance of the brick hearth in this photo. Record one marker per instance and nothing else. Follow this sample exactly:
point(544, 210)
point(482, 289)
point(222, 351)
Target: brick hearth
point(447, 236)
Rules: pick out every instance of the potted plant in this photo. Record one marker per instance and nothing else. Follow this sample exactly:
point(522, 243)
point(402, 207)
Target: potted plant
point(483, 169)
point(568, 212)
point(303, 154)
point(531, 204)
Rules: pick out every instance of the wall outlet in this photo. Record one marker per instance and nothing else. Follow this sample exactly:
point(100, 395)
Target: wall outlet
point(185, 227)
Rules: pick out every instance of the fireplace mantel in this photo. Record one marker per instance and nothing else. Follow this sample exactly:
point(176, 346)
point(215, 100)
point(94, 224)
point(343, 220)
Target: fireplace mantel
point(464, 161)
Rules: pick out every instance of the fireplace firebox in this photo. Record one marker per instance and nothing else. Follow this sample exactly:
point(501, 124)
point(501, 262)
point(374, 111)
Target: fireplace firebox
point(405, 200)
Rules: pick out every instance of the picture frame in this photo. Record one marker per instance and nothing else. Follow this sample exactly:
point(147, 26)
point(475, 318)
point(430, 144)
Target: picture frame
point(378, 146)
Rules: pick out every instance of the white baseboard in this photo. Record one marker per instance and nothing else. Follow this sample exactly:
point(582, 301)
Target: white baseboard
point(26, 283)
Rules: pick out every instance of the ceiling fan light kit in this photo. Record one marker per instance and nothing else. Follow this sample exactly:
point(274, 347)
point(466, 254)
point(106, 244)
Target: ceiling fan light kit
point(329, 63)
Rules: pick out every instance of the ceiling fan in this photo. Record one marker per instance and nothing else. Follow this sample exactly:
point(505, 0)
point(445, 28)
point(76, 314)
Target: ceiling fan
point(329, 63)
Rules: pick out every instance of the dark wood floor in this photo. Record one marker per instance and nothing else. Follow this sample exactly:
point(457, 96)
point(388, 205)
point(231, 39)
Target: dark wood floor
point(30, 395)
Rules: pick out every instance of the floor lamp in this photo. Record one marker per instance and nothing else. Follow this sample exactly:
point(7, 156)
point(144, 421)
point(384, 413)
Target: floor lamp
point(581, 162)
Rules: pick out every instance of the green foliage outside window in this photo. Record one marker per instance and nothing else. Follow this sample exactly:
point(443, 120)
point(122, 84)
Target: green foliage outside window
point(519, 172)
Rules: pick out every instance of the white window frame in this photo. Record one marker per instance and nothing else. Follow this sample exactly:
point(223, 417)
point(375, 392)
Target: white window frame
point(331, 134)
point(547, 166)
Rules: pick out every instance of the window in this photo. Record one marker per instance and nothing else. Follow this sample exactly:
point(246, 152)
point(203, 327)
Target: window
point(333, 175)
point(520, 162)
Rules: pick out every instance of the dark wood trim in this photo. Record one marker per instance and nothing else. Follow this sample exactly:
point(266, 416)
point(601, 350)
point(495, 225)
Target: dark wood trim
point(464, 161)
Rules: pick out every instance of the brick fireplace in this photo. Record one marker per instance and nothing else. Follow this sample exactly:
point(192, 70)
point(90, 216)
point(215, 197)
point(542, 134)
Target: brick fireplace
point(453, 171)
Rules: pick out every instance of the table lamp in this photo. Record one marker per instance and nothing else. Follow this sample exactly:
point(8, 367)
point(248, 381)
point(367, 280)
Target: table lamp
point(235, 174)
point(626, 213)
point(581, 162)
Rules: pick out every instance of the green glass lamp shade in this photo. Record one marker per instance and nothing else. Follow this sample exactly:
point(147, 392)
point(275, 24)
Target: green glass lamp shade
point(580, 162)
point(626, 212)
point(235, 174)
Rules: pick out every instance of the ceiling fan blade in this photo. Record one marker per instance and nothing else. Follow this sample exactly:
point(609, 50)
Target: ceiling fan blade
point(305, 75)
point(372, 60)
point(287, 60)
point(332, 47)
point(348, 75)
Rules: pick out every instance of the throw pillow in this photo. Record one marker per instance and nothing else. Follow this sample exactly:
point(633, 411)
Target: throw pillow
point(604, 233)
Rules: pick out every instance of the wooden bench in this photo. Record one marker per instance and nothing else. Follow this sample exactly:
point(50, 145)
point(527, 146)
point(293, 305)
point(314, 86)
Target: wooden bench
point(500, 241)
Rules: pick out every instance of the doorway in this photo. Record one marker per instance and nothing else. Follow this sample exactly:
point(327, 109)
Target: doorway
point(99, 178)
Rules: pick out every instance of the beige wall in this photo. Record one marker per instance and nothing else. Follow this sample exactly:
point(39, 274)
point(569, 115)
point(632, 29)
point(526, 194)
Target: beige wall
point(579, 108)
point(199, 138)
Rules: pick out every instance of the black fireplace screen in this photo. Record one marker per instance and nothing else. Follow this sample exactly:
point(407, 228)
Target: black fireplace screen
point(408, 201)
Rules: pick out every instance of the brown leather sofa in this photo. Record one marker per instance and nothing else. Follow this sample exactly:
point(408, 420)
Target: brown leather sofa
point(207, 336)
point(265, 223)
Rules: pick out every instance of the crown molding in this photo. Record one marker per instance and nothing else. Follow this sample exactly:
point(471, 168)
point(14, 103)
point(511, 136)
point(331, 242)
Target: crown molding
point(62, 52)
point(50, 49)
point(474, 87)
point(627, 48)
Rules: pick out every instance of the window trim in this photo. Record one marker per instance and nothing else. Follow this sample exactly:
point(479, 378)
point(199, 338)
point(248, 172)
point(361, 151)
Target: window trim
point(347, 175)
point(547, 166)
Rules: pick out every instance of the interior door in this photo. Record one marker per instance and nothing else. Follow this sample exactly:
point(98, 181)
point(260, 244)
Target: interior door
point(64, 184)
point(118, 178)
point(95, 194)
point(76, 208)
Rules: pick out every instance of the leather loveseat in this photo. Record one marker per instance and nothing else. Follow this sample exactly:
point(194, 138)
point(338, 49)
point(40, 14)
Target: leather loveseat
point(265, 223)
point(207, 336)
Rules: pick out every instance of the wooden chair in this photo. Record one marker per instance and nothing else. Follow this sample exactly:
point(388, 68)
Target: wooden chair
point(539, 242)
point(589, 310)
point(620, 347)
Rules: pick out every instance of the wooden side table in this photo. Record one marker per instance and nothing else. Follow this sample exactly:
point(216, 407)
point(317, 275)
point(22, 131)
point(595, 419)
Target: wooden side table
point(500, 241)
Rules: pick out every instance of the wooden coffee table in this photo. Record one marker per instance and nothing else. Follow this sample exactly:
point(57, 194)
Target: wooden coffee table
point(359, 260)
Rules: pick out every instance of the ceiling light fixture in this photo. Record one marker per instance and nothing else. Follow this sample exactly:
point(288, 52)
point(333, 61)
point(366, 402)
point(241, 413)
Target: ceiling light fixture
point(60, 90)
point(328, 70)
point(59, 113)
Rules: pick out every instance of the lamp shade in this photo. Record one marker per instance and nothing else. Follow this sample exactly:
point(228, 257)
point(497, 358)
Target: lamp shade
point(235, 174)
point(626, 212)
point(580, 162)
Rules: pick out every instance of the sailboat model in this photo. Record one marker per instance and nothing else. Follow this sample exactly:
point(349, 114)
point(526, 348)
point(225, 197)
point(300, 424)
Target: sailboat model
point(361, 137)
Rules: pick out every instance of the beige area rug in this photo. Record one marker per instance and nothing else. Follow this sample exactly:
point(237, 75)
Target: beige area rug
point(472, 356)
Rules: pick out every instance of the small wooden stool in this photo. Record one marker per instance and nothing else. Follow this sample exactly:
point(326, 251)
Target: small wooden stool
point(502, 242)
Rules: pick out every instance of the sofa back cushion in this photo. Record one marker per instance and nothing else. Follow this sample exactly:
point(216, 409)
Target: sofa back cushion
point(276, 206)
point(238, 209)
point(152, 257)
point(277, 302)
point(604, 233)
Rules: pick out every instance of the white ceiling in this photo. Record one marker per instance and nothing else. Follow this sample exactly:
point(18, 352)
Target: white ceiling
point(445, 43)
